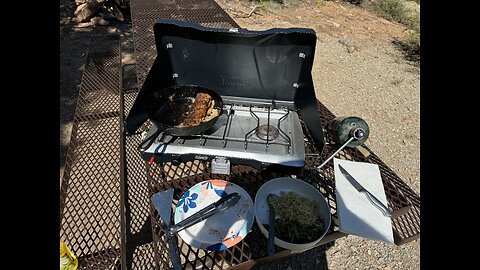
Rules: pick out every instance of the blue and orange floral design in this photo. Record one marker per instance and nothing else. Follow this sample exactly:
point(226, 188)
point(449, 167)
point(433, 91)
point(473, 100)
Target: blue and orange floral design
point(188, 201)
point(217, 186)
point(204, 193)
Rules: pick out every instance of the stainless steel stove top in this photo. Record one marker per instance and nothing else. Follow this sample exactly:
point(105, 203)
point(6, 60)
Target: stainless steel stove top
point(250, 135)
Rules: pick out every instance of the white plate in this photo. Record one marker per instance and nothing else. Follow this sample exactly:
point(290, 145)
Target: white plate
point(222, 230)
point(286, 184)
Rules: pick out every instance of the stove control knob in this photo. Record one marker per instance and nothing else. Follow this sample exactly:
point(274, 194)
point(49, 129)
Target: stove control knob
point(176, 162)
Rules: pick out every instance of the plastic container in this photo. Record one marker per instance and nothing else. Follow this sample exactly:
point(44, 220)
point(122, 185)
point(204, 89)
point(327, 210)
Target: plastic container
point(68, 261)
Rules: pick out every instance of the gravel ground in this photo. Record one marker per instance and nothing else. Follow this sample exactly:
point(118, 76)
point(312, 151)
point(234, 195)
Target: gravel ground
point(383, 90)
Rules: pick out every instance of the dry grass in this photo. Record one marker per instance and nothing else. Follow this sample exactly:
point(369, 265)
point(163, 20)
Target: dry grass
point(396, 11)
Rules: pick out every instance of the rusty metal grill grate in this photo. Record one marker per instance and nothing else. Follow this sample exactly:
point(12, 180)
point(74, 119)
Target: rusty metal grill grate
point(90, 199)
point(401, 198)
point(139, 246)
point(181, 177)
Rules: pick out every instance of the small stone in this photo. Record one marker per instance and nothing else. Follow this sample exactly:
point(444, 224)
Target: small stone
point(83, 25)
point(79, 8)
point(99, 21)
point(350, 49)
point(369, 252)
point(344, 40)
point(86, 11)
point(64, 20)
point(336, 24)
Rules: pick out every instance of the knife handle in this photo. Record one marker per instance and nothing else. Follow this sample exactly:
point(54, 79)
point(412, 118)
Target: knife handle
point(377, 203)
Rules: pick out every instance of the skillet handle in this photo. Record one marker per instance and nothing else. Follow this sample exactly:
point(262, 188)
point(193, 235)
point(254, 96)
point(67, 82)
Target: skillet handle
point(149, 140)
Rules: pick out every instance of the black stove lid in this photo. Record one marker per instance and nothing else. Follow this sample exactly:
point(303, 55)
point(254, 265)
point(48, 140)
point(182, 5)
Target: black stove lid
point(237, 62)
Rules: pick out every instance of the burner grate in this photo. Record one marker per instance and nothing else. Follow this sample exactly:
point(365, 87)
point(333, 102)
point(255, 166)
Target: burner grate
point(248, 138)
point(268, 141)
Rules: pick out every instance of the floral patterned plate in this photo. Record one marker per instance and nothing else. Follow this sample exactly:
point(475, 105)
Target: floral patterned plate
point(222, 230)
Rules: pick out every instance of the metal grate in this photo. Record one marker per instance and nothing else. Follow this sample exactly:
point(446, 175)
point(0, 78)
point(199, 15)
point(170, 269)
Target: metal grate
point(90, 198)
point(401, 198)
point(138, 235)
point(185, 175)
point(253, 247)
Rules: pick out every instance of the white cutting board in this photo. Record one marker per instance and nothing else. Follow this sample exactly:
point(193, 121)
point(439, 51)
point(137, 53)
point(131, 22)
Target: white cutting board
point(356, 213)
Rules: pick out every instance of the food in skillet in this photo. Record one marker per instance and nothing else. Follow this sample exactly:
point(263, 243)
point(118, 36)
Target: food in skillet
point(202, 110)
point(299, 220)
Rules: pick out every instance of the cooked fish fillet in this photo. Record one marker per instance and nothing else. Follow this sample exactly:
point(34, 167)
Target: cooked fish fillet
point(198, 110)
point(212, 112)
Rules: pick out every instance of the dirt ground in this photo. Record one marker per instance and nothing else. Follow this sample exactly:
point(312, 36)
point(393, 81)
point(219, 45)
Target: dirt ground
point(357, 71)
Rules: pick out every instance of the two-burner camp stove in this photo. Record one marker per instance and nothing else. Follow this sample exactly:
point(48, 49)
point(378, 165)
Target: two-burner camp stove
point(253, 135)
point(264, 80)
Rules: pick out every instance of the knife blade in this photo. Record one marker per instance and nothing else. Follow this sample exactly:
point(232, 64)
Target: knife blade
point(373, 200)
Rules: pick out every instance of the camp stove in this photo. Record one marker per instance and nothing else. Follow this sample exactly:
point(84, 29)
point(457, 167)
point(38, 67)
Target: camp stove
point(264, 79)
point(257, 135)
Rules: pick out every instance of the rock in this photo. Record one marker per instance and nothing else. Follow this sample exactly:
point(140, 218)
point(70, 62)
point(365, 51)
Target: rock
point(86, 11)
point(79, 8)
point(99, 21)
point(64, 20)
point(344, 40)
point(347, 42)
point(105, 15)
point(83, 25)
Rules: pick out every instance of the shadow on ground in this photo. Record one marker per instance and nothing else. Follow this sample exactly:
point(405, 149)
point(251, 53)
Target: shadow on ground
point(314, 259)
point(74, 43)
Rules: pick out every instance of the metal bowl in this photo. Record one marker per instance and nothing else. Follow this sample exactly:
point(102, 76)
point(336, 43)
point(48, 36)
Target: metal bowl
point(286, 184)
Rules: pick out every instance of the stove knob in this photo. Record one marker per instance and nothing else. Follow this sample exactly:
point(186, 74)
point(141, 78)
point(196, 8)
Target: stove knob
point(176, 162)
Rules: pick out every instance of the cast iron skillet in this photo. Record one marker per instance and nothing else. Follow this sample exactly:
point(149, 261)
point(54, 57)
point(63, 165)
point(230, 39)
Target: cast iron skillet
point(168, 108)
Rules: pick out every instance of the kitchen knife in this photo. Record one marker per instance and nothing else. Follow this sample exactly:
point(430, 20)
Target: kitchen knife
point(373, 200)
